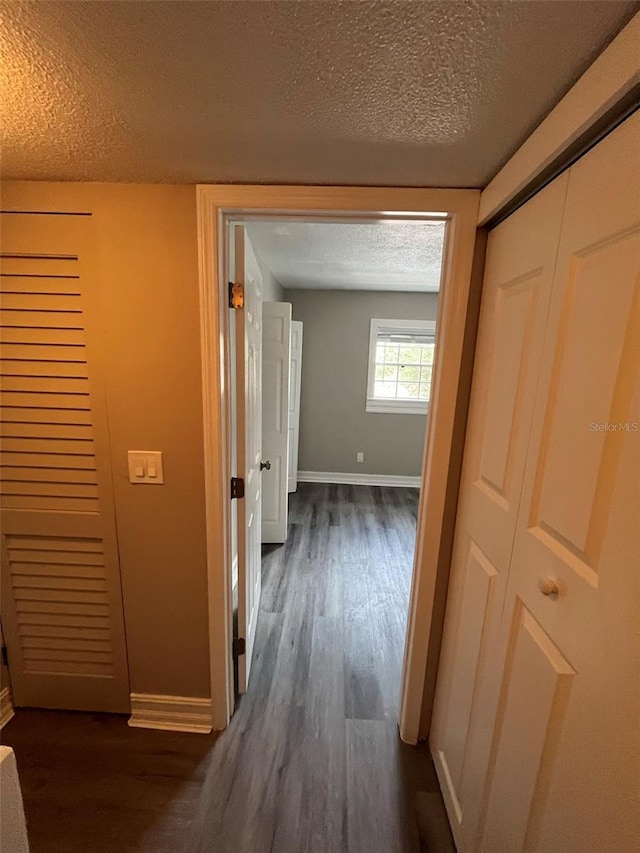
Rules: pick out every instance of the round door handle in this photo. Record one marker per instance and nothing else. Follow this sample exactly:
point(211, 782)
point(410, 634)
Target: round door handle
point(266, 465)
point(549, 587)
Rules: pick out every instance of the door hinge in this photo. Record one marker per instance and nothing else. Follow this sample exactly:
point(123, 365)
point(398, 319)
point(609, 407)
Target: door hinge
point(239, 646)
point(237, 488)
point(236, 295)
point(5, 656)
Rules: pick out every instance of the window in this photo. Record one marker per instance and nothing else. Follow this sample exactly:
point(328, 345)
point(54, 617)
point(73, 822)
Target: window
point(400, 366)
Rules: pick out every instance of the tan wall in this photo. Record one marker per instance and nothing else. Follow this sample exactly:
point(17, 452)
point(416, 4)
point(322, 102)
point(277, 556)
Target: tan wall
point(146, 237)
point(334, 424)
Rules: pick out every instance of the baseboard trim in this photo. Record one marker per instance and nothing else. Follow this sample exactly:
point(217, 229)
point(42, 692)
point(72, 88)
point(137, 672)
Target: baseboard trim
point(171, 713)
point(6, 707)
point(340, 478)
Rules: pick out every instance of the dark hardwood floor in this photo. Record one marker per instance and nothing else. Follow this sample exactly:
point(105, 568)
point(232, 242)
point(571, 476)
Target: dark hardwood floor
point(312, 761)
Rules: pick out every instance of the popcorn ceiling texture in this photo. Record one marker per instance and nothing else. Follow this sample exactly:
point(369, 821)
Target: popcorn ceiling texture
point(373, 93)
point(403, 256)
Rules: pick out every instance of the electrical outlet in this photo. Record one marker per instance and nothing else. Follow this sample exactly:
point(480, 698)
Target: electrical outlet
point(359, 456)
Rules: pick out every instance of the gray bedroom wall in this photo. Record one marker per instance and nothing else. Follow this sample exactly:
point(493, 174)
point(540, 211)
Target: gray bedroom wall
point(334, 425)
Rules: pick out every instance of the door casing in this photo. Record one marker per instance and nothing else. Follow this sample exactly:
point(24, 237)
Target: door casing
point(218, 205)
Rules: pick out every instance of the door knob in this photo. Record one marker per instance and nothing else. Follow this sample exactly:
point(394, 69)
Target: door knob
point(548, 587)
point(266, 465)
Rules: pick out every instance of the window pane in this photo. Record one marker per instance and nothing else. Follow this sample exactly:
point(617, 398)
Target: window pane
point(425, 374)
point(391, 353)
point(386, 373)
point(410, 355)
point(409, 373)
point(390, 372)
point(385, 389)
point(408, 390)
point(425, 391)
point(427, 353)
point(379, 353)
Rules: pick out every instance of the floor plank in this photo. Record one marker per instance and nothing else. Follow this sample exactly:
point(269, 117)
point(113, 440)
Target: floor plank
point(91, 783)
point(312, 761)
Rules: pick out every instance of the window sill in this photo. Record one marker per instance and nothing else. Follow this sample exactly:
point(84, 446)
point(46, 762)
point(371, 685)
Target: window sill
point(398, 407)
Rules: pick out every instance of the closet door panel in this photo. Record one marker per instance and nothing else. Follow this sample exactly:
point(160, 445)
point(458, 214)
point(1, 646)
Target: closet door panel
point(576, 564)
point(519, 273)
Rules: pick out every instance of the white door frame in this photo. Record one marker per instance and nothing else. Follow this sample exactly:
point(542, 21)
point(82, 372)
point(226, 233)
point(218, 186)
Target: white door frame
point(217, 206)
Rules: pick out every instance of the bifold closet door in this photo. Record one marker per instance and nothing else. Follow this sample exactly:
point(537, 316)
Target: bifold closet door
point(61, 594)
point(535, 733)
point(565, 762)
point(519, 270)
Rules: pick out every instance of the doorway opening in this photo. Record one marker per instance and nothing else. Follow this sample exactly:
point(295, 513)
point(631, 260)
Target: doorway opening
point(220, 210)
point(347, 334)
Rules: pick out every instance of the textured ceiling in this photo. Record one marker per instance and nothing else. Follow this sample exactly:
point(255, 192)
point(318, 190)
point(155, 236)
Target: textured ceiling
point(306, 91)
point(403, 256)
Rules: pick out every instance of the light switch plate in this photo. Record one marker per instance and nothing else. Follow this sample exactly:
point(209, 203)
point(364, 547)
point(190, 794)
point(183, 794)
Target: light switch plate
point(145, 466)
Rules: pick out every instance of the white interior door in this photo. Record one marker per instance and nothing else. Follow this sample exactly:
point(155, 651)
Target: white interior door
point(535, 734)
point(566, 755)
point(276, 365)
point(248, 368)
point(295, 383)
point(61, 594)
point(516, 293)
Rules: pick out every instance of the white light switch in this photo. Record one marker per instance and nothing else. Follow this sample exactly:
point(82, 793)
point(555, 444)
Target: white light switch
point(145, 466)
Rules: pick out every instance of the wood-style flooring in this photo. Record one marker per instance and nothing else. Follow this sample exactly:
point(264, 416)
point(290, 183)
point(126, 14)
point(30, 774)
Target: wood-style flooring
point(312, 761)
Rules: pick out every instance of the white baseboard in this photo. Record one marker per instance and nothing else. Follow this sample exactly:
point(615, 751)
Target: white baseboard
point(340, 478)
point(171, 713)
point(6, 707)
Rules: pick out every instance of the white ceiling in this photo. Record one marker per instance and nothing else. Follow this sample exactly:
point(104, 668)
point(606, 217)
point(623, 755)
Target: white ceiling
point(404, 256)
point(378, 93)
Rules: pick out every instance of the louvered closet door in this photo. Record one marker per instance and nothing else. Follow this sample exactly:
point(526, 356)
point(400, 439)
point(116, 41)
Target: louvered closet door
point(61, 595)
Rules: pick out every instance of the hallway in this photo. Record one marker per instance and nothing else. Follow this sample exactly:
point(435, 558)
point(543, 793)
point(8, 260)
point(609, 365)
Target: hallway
point(311, 762)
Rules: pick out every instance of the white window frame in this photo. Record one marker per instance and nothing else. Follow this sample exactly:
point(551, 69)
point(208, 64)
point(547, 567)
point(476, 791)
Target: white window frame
point(394, 406)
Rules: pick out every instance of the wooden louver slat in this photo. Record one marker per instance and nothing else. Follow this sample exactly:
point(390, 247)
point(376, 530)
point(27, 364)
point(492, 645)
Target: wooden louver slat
point(47, 450)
